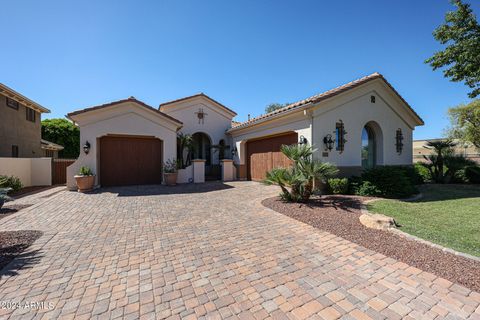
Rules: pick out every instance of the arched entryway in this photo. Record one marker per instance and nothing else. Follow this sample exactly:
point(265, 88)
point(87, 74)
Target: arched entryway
point(372, 145)
point(202, 147)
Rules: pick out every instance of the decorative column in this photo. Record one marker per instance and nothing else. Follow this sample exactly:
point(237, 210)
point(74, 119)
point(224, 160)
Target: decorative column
point(227, 170)
point(198, 170)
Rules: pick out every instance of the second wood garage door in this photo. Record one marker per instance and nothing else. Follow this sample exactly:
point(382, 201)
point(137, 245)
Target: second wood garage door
point(130, 161)
point(264, 154)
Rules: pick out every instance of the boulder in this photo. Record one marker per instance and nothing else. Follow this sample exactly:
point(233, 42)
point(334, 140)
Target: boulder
point(377, 221)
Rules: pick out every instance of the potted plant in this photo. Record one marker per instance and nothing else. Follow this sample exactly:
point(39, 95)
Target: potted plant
point(85, 179)
point(3, 196)
point(170, 172)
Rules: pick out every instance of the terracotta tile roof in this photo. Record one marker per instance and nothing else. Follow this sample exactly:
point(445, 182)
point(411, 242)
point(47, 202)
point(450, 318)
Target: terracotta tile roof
point(195, 96)
point(235, 123)
point(130, 99)
point(323, 96)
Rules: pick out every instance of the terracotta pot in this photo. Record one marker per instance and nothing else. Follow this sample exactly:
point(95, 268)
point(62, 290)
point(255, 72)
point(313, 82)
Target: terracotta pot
point(85, 183)
point(171, 178)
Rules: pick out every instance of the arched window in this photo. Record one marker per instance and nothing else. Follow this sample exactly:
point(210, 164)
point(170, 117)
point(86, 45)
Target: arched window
point(368, 148)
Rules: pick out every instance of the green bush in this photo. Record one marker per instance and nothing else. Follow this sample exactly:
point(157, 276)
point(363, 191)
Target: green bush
point(411, 173)
point(460, 176)
point(389, 182)
point(354, 183)
point(338, 185)
point(366, 188)
point(423, 172)
point(472, 173)
point(11, 182)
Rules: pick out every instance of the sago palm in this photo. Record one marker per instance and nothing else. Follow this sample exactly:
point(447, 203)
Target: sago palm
point(297, 181)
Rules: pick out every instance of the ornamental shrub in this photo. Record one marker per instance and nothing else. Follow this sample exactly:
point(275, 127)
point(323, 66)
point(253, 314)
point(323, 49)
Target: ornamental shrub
point(389, 182)
point(11, 182)
point(473, 174)
point(338, 185)
point(423, 172)
point(366, 188)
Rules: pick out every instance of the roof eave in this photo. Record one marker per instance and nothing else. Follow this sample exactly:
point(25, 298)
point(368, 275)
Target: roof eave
point(226, 109)
point(71, 116)
point(9, 92)
point(272, 117)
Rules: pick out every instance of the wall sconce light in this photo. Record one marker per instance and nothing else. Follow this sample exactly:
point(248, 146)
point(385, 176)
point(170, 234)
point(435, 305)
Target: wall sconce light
point(86, 147)
point(328, 142)
point(340, 133)
point(302, 140)
point(399, 141)
point(234, 151)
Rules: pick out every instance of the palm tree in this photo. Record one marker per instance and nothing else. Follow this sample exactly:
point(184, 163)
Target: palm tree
point(297, 181)
point(436, 161)
point(184, 141)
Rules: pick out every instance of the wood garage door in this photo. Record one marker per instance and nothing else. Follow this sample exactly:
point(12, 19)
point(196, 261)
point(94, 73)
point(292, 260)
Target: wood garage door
point(130, 161)
point(264, 154)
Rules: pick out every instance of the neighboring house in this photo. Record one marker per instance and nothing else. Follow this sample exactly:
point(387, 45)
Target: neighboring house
point(355, 126)
point(468, 150)
point(20, 126)
point(50, 149)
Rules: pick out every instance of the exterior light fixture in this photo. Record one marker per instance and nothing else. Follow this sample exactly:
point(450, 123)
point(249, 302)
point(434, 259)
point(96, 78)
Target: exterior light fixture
point(234, 151)
point(86, 147)
point(302, 140)
point(399, 141)
point(340, 133)
point(328, 142)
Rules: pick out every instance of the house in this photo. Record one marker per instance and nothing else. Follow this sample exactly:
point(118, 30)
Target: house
point(468, 150)
point(20, 127)
point(355, 126)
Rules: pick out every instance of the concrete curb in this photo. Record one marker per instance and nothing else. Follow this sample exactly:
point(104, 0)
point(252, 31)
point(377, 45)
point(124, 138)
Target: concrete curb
point(415, 238)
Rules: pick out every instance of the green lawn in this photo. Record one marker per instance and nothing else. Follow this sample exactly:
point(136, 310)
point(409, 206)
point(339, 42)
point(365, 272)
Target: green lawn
point(448, 215)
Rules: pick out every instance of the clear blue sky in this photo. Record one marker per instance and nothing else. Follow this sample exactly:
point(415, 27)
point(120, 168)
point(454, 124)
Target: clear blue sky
point(69, 55)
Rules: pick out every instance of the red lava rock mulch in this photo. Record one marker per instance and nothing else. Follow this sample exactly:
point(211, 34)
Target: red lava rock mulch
point(13, 243)
point(339, 215)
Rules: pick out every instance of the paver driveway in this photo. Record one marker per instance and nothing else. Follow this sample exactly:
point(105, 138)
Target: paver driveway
point(137, 253)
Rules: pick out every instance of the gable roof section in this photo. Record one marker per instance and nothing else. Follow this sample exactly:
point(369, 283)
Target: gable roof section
point(10, 93)
point(131, 99)
point(196, 96)
point(48, 145)
point(326, 95)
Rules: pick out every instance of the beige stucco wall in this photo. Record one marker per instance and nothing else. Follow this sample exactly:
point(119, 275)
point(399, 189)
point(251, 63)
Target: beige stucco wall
point(127, 118)
point(215, 123)
point(31, 171)
point(15, 129)
point(355, 109)
point(299, 122)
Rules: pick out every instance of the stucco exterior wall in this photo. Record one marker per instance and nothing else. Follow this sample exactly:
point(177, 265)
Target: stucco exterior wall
point(355, 109)
point(15, 129)
point(215, 123)
point(124, 119)
point(31, 171)
point(299, 122)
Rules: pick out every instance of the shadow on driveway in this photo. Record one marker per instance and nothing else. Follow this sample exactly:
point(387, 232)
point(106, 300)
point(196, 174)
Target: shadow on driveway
point(150, 190)
point(22, 261)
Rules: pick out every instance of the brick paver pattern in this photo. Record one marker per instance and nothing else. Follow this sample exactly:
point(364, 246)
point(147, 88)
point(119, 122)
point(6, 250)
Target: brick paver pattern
point(211, 251)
